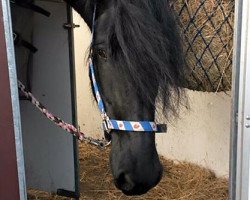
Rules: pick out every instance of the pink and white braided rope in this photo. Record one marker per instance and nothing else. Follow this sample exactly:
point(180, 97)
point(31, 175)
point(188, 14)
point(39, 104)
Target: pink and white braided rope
point(59, 122)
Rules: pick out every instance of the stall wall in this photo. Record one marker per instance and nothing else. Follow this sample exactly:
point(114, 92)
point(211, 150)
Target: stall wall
point(200, 135)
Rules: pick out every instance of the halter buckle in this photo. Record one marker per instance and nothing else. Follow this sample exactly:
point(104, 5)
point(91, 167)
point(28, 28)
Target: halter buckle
point(162, 128)
point(105, 126)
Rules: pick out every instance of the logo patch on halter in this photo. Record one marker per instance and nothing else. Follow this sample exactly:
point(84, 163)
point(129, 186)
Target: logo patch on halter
point(137, 126)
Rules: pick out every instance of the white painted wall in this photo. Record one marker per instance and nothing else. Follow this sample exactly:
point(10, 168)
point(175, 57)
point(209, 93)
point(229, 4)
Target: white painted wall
point(201, 135)
point(88, 114)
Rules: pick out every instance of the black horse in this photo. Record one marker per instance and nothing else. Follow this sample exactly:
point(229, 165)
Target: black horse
point(137, 55)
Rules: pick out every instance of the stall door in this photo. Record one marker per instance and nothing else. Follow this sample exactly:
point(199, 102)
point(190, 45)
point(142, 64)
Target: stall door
point(50, 152)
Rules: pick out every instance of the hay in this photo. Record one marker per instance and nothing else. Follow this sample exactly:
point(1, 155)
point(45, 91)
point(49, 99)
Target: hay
point(207, 28)
point(181, 180)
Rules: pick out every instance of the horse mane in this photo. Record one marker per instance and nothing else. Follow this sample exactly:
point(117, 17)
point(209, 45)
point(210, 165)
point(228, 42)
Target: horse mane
point(144, 42)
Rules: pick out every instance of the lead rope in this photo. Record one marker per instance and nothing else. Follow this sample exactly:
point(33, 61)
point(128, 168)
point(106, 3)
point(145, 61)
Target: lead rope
point(59, 122)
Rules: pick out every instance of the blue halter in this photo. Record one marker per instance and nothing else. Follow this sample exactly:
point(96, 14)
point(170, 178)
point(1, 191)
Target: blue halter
point(112, 124)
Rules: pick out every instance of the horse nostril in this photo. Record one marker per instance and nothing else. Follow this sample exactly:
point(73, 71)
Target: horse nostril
point(123, 182)
point(130, 186)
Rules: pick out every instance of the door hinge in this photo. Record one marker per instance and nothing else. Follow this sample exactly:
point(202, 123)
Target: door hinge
point(70, 25)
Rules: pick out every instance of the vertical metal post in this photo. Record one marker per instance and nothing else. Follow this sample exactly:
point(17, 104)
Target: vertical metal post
point(12, 175)
point(240, 134)
point(235, 95)
point(73, 98)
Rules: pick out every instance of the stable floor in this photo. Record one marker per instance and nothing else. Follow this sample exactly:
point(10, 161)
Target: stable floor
point(181, 180)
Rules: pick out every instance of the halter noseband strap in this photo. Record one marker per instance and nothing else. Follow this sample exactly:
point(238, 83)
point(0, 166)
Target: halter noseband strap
point(112, 124)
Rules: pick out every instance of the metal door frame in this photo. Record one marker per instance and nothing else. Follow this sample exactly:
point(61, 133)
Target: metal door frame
point(12, 168)
point(240, 126)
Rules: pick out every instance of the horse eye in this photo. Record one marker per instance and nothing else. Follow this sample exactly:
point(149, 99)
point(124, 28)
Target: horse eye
point(102, 53)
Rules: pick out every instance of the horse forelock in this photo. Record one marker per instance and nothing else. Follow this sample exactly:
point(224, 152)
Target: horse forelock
point(145, 44)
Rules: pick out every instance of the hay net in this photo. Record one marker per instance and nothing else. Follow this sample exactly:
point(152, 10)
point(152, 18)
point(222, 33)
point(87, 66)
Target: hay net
point(207, 32)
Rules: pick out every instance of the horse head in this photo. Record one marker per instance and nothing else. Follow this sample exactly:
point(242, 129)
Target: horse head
point(136, 55)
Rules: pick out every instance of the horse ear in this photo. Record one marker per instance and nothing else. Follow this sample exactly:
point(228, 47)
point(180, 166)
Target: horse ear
point(85, 8)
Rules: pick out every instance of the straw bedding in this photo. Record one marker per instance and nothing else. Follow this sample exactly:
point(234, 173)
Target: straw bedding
point(181, 180)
